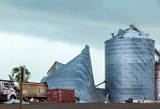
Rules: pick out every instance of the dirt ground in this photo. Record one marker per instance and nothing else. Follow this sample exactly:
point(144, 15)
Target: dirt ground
point(49, 105)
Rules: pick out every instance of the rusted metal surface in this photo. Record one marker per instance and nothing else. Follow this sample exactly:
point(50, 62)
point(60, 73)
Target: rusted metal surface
point(54, 67)
point(34, 89)
point(157, 81)
point(60, 95)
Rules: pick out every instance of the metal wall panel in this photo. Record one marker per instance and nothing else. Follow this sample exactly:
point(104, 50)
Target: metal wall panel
point(157, 77)
point(34, 89)
point(129, 66)
point(60, 95)
point(54, 67)
point(101, 94)
point(76, 75)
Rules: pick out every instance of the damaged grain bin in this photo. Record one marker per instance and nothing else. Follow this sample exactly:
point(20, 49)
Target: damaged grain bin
point(76, 75)
point(129, 65)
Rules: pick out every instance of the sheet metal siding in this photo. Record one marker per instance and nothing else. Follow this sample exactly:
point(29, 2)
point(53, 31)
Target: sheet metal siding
point(129, 69)
point(157, 77)
point(60, 95)
point(101, 95)
point(34, 89)
point(76, 75)
point(54, 67)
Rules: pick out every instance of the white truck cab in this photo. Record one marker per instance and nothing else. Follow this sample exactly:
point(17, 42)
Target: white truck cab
point(7, 91)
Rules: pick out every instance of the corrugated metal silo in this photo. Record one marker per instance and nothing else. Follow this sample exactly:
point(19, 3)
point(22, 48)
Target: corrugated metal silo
point(75, 75)
point(157, 77)
point(129, 66)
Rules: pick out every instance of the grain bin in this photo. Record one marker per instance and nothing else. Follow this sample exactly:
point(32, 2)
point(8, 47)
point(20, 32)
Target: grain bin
point(157, 77)
point(75, 75)
point(129, 65)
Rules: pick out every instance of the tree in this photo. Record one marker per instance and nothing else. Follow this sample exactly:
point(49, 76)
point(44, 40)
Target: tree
point(15, 74)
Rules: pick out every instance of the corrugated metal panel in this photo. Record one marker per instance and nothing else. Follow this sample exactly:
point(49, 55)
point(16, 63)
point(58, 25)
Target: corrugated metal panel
point(157, 77)
point(132, 32)
point(34, 89)
point(76, 75)
point(129, 68)
point(54, 67)
point(60, 95)
point(101, 95)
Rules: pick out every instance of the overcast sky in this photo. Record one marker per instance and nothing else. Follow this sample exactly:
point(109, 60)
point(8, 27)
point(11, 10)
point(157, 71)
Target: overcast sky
point(36, 33)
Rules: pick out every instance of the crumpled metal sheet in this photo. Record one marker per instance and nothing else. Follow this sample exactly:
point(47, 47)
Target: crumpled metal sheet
point(101, 95)
point(76, 75)
point(15, 101)
point(132, 32)
point(54, 67)
point(129, 66)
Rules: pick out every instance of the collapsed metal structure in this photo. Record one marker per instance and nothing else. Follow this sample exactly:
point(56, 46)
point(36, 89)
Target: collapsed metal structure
point(129, 70)
point(76, 75)
point(129, 65)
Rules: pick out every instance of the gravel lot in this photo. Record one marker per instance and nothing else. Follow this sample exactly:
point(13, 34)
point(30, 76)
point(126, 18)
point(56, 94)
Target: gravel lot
point(48, 105)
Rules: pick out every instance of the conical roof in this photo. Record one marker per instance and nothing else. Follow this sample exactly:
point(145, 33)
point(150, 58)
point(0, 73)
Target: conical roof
point(76, 75)
point(132, 32)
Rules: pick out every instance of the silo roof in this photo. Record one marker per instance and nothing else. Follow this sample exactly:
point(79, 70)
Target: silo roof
point(132, 32)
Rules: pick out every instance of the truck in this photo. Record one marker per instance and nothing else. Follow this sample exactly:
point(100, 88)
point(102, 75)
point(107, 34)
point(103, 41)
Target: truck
point(33, 90)
point(7, 91)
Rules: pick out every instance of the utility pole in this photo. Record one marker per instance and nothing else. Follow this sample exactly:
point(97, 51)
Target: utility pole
point(22, 73)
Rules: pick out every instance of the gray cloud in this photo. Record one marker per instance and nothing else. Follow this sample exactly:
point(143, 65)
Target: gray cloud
point(76, 21)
